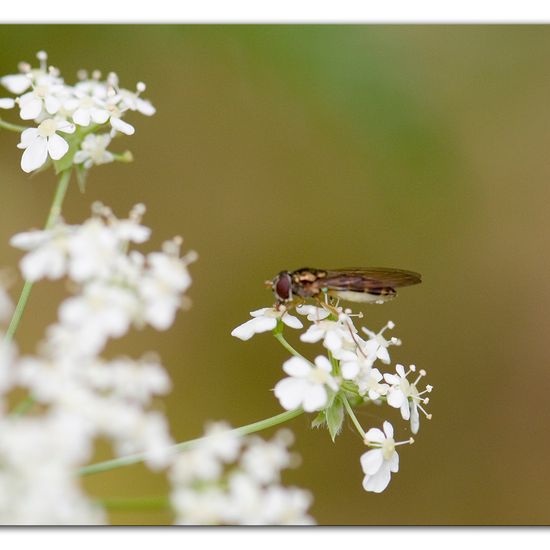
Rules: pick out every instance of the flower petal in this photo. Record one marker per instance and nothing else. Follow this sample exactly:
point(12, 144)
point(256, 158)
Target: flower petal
point(415, 419)
point(371, 461)
point(291, 321)
point(57, 147)
point(35, 154)
point(315, 398)
point(16, 83)
point(31, 109)
point(52, 104)
point(253, 326)
point(122, 126)
point(82, 117)
point(7, 103)
point(378, 482)
point(296, 366)
point(290, 392)
point(323, 363)
point(396, 398)
point(349, 369)
point(394, 462)
point(375, 435)
point(27, 137)
point(388, 429)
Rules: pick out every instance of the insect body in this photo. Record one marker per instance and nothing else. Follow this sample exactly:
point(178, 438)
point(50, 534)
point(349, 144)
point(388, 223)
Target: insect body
point(368, 285)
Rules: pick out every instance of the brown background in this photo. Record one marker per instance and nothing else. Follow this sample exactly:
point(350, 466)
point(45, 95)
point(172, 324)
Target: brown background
point(274, 147)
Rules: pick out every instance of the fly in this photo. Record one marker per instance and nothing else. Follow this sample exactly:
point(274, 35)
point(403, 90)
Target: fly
point(366, 285)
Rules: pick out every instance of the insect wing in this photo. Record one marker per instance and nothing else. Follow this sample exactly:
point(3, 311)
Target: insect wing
point(369, 278)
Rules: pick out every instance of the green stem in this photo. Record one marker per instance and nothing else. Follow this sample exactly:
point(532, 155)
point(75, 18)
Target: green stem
point(281, 339)
point(12, 127)
point(185, 445)
point(55, 211)
point(353, 417)
point(157, 503)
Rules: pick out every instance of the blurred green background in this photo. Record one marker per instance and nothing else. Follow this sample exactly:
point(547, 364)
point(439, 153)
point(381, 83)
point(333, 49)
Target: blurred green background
point(275, 147)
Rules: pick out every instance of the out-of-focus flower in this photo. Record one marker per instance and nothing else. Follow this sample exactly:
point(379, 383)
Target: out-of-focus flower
point(93, 150)
point(229, 480)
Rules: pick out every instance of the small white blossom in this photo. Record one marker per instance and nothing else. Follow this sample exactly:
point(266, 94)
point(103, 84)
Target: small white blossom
point(379, 463)
point(377, 346)
point(86, 108)
point(405, 396)
point(335, 334)
point(41, 142)
point(48, 252)
point(16, 83)
point(265, 319)
point(162, 285)
point(313, 313)
point(264, 460)
point(306, 385)
point(238, 486)
point(93, 150)
point(45, 97)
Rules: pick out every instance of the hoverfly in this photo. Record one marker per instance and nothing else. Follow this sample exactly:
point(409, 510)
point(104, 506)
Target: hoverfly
point(367, 285)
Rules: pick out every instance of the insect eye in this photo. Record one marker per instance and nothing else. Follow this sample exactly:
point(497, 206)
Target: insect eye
point(283, 286)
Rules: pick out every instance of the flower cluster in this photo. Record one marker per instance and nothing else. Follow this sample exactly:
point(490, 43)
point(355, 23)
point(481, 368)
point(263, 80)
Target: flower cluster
point(83, 396)
point(226, 479)
point(346, 377)
point(72, 122)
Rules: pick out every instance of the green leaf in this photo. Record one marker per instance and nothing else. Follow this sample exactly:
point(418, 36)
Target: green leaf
point(319, 420)
point(335, 417)
point(81, 175)
point(66, 161)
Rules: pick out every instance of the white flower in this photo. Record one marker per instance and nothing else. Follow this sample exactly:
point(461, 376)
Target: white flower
point(132, 101)
point(307, 385)
point(405, 396)
point(335, 334)
point(377, 346)
point(162, 286)
point(43, 141)
point(205, 461)
point(367, 378)
point(313, 313)
point(264, 460)
point(39, 457)
point(206, 507)
point(210, 487)
point(265, 319)
point(93, 150)
point(102, 311)
point(286, 506)
point(48, 252)
point(377, 464)
point(86, 108)
point(45, 96)
point(16, 83)
point(93, 249)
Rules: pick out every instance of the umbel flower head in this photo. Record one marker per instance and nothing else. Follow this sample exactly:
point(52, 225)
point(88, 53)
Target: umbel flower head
point(92, 110)
point(351, 373)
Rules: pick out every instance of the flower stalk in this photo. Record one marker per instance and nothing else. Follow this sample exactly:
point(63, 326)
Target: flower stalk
point(55, 212)
point(248, 429)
